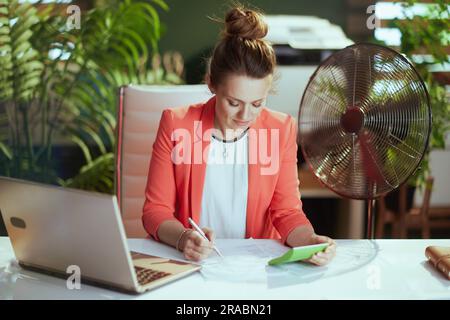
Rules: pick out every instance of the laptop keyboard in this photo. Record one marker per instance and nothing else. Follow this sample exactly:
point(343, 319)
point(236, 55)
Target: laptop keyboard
point(145, 275)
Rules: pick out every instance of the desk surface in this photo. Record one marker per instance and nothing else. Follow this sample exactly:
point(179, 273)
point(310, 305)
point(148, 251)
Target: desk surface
point(362, 269)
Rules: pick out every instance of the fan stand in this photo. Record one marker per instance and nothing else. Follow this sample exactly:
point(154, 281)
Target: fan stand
point(352, 121)
point(370, 232)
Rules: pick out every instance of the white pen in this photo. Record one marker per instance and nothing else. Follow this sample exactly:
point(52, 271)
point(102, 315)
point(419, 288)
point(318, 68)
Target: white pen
point(197, 228)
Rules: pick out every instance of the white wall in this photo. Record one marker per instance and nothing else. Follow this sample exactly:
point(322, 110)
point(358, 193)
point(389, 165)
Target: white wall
point(290, 86)
point(440, 170)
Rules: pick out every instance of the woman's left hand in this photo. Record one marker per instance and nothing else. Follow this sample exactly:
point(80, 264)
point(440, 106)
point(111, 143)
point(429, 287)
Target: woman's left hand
point(323, 257)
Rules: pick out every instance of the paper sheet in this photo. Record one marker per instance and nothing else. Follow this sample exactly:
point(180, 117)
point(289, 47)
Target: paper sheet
point(241, 262)
point(248, 263)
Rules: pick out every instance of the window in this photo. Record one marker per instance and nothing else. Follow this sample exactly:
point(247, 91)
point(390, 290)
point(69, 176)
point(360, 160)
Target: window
point(388, 11)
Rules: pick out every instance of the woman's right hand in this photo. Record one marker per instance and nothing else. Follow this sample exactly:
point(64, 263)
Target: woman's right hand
point(195, 247)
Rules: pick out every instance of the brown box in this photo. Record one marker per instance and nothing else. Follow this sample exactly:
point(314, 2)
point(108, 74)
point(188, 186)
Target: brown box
point(439, 257)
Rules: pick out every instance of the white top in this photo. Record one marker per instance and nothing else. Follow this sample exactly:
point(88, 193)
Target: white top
point(224, 199)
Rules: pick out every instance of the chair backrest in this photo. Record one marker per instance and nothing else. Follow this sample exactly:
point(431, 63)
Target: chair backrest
point(139, 112)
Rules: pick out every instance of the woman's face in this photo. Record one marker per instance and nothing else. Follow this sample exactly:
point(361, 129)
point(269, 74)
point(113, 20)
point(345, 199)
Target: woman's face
point(239, 100)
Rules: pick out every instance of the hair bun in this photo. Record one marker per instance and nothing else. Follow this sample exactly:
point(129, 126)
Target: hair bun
point(244, 23)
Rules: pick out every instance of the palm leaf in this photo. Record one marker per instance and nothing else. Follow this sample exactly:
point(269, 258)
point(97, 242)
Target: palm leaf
point(97, 175)
point(75, 88)
point(20, 70)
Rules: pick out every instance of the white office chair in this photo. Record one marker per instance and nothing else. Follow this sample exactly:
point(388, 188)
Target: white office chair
point(139, 112)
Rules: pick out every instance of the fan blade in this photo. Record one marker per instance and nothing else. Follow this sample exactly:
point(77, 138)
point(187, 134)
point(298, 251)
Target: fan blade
point(324, 93)
point(317, 137)
point(335, 161)
point(357, 69)
point(401, 116)
point(371, 161)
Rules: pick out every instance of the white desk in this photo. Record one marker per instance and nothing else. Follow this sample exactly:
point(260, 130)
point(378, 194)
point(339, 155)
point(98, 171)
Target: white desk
point(394, 269)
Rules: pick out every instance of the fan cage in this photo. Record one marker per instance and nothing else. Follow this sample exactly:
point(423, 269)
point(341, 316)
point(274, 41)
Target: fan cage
point(364, 133)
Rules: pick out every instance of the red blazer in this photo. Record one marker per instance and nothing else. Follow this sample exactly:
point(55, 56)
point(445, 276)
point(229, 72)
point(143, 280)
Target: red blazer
point(174, 191)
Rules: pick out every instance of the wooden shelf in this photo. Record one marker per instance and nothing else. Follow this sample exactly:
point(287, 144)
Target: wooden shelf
point(311, 187)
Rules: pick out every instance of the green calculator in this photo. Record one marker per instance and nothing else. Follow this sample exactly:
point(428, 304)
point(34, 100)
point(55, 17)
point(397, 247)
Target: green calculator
point(298, 253)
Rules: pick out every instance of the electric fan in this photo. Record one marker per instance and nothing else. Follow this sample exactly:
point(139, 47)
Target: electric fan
point(364, 123)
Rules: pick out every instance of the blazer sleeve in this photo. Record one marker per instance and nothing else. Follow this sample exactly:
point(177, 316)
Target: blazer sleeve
point(160, 191)
point(286, 207)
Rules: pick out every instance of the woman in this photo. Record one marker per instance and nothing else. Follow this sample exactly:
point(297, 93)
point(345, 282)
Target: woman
point(230, 164)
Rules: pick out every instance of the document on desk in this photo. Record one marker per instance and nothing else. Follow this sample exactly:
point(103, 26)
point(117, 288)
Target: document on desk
point(243, 261)
point(260, 248)
point(246, 261)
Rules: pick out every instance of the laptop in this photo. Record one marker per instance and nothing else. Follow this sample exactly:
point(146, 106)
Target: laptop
point(54, 229)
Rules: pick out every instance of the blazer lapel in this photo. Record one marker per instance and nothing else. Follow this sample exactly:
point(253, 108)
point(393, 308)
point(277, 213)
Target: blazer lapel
point(200, 143)
point(253, 175)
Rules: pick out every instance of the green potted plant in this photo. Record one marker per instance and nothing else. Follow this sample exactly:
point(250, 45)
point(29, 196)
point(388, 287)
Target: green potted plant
point(59, 84)
point(429, 34)
point(424, 40)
